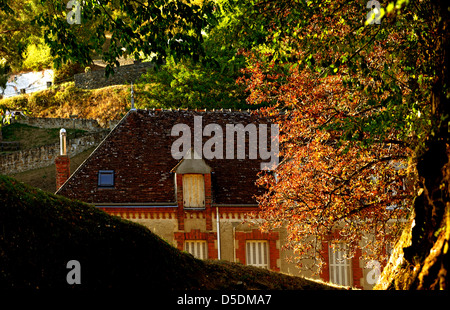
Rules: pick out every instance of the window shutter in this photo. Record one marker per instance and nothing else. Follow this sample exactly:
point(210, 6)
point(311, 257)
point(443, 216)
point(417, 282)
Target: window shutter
point(197, 248)
point(193, 191)
point(257, 253)
point(339, 266)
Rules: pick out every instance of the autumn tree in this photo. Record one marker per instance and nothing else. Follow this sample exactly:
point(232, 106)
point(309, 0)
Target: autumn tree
point(361, 101)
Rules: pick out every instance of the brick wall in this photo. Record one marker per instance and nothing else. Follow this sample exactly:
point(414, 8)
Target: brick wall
point(256, 234)
point(196, 234)
point(180, 210)
point(207, 212)
point(325, 272)
point(62, 164)
point(357, 270)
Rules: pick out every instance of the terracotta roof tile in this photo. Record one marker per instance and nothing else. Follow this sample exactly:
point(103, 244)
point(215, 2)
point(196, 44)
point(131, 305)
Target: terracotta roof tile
point(138, 149)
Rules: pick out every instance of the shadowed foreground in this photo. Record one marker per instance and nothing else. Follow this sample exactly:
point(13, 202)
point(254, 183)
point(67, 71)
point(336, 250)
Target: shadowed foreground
point(40, 233)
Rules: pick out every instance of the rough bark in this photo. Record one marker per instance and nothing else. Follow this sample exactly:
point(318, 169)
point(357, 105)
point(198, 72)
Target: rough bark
point(420, 259)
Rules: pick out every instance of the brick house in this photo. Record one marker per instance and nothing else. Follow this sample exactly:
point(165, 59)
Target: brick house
point(197, 204)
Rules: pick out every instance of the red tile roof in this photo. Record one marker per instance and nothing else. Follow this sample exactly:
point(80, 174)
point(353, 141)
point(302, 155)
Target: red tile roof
point(138, 149)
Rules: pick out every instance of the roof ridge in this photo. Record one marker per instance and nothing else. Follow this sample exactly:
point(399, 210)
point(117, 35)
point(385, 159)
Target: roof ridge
point(199, 110)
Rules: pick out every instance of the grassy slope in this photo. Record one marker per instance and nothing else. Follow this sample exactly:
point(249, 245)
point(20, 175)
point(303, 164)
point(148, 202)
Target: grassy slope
point(31, 137)
point(41, 232)
point(45, 178)
point(63, 100)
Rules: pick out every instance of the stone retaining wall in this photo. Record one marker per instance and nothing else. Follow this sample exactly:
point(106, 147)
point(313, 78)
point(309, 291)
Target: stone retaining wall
point(45, 122)
point(44, 156)
point(122, 75)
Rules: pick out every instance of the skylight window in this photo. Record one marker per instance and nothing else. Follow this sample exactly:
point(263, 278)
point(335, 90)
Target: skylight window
point(106, 178)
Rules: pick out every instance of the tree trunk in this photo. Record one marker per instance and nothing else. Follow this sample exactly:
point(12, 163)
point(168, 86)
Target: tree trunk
point(420, 259)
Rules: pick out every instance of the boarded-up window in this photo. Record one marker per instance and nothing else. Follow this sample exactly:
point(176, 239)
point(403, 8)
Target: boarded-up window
point(198, 248)
point(193, 191)
point(340, 266)
point(257, 253)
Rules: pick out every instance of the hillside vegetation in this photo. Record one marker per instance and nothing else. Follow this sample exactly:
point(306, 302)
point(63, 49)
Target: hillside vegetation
point(64, 100)
point(171, 88)
point(32, 137)
point(40, 233)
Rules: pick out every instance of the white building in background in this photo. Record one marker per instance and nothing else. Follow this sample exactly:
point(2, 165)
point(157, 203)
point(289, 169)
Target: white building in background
point(28, 82)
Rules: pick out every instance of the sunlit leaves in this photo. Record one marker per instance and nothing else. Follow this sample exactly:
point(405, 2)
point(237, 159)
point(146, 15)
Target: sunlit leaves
point(355, 106)
point(120, 28)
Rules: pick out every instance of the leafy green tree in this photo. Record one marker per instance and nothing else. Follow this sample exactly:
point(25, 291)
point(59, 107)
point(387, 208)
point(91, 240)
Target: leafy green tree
point(16, 29)
point(211, 82)
point(208, 83)
point(189, 85)
point(4, 70)
point(37, 56)
point(112, 29)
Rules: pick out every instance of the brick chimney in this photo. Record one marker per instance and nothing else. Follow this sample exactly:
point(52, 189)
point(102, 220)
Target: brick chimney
point(62, 162)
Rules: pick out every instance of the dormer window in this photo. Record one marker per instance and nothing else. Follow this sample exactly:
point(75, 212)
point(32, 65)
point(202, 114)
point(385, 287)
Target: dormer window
point(193, 182)
point(106, 178)
point(193, 191)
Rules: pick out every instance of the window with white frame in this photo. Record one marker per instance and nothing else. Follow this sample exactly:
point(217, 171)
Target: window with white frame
point(340, 267)
point(198, 248)
point(193, 191)
point(257, 253)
